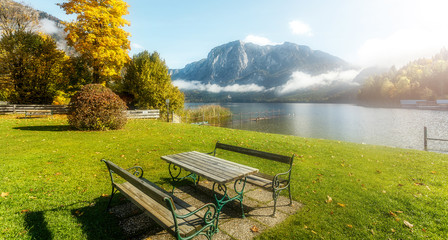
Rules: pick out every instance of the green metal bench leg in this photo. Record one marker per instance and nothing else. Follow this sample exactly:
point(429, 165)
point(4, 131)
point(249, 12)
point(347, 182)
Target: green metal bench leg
point(290, 198)
point(110, 199)
point(275, 194)
point(220, 202)
point(175, 172)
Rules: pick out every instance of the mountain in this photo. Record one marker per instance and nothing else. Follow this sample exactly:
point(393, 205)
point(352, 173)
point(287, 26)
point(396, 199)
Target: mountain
point(247, 63)
point(246, 72)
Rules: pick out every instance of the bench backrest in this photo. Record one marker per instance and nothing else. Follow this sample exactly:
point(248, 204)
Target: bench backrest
point(146, 188)
point(255, 153)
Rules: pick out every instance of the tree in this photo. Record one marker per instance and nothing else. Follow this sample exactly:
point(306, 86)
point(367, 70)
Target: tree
point(148, 82)
point(31, 65)
point(98, 36)
point(15, 17)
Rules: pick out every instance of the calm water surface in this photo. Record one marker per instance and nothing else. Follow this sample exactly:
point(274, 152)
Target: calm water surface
point(380, 126)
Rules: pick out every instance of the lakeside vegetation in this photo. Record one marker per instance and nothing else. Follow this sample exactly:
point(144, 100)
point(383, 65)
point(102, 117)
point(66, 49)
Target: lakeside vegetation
point(53, 184)
point(206, 113)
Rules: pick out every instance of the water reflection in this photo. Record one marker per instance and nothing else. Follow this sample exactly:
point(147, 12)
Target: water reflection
point(381, 126)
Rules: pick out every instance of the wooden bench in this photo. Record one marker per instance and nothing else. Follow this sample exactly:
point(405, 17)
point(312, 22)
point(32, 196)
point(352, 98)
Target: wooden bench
point(30, 113)
point(178, 217)
point(153, 113)
point(277, 183)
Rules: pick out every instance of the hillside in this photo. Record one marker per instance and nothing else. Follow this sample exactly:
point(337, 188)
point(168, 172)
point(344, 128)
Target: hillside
point(422, 79)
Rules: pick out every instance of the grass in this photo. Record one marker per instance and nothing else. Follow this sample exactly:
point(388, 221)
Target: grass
point(53, 185)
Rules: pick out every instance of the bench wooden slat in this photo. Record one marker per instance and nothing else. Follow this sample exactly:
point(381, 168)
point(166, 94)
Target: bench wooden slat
point(168, 211)
point(276, 183)
point(255, 153)
point(140, 184)
point(155, 210)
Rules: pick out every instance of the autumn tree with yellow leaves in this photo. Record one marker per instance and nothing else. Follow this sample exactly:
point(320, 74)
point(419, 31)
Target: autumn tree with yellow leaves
point(97, 35)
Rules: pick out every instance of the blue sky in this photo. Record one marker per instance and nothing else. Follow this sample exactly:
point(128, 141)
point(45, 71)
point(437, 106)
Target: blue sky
point(380, 32)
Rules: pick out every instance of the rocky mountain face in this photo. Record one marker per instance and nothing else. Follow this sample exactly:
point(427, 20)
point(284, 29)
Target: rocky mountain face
point(268, 66)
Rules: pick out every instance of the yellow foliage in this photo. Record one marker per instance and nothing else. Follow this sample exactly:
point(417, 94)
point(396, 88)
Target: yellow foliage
point(98, 36)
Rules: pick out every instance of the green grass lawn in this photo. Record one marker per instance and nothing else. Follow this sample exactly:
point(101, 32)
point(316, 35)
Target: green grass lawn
point(53, 185)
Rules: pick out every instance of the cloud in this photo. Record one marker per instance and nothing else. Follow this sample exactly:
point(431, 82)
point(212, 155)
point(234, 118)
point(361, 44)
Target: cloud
point(301, 80)
point(137, 46)
point(403, 46)
point(300, 28)
point(261, 41)
point(48, 26)
point(214, 88)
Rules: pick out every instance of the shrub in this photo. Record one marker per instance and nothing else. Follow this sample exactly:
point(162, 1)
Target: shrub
point(96, 107)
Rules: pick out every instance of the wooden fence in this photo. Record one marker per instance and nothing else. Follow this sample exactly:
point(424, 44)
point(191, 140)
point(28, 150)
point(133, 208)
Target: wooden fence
point(63, 109)
point(21, 108)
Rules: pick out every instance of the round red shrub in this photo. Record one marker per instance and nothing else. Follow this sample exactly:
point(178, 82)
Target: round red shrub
point(96, 107)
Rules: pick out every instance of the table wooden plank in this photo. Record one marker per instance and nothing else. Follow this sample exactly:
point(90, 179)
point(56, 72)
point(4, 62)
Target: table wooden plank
point(193, 169)
point(215, 165)
point(210, 167)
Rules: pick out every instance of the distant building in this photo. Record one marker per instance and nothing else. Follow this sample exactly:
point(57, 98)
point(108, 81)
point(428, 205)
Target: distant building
point(412, 103)
point(442, 102)
point(425, 104)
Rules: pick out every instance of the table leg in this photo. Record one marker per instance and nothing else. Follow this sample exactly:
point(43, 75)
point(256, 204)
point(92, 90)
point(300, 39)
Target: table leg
point(175, 171)
point(217, 187)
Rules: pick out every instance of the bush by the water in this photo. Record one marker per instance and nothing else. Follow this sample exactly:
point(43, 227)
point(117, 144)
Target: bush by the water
point(96, 107)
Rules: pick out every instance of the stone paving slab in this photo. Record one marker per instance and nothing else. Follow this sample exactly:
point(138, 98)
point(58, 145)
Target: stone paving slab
point(258, 208)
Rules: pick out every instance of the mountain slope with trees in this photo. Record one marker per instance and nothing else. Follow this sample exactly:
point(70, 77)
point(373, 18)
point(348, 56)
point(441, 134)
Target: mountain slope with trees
point(423, 79)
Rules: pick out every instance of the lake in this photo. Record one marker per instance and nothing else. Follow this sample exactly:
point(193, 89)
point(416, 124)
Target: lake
point(394, 127)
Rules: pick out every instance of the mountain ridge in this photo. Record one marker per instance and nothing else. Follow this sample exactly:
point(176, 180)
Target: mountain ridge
point(238, 62)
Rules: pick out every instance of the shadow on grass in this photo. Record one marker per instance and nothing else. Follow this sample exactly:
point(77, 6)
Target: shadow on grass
point(48, 128)
point(93, 219)
point(96, 223)
point(37, 226)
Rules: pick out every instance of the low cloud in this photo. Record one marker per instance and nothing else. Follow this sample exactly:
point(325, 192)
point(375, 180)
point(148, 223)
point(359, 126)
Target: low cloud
point(49, 27)
point(301, 80)
point(214, 88)
point(261, 41)
point(300, 28)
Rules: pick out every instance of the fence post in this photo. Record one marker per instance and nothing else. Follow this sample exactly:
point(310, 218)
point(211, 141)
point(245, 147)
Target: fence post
point(14, 109)
point(425, 138)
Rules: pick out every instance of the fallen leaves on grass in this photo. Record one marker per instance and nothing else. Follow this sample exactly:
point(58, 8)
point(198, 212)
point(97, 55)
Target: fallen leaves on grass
point(341, 205)
point(254, 229)
point(408, 224)
point(4, 194)
point(78, 213)
point(349, 226)
point(329, 199)
point(104, 195)
point(24, 211)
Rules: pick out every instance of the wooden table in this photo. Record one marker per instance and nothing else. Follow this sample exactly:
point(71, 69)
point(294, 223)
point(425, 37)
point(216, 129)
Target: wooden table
point(215, 169)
